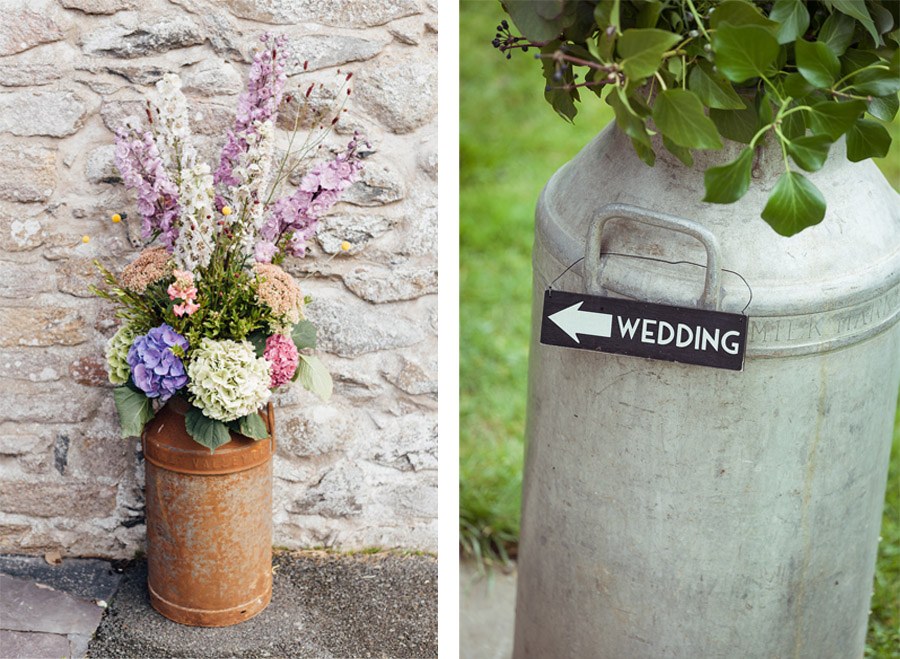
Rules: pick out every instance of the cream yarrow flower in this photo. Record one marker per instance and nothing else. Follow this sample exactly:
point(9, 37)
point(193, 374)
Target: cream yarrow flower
point(117, 354)
point(227, 379)
point(277, 290)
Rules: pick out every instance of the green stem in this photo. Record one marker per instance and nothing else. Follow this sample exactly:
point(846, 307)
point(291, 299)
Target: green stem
point(662, 83)
point(879, 66)
point(697, 19)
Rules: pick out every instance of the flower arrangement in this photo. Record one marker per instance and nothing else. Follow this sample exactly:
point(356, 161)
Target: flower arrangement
point(802, 73)
point(208, 312)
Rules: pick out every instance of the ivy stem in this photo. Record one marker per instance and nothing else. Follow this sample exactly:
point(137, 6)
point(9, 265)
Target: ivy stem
point(662, 83)
point(879, 66)
point(782, 140)
point(697, 18)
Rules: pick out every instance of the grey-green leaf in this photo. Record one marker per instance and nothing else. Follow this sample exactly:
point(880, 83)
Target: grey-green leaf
point(794, 19)
point(304, 335)
point(794, 205)
point(837, 32)
point(641, 50)
point(728, 183)
point(712, 88)
point(817, 63)
point(134, 409)
point(533, 23)
point(857, 9)
point(885, 107)
point(678, 114)
point(736, 125)
point(252, 426)
point(810, 152)
point(207, 432)
point(739, 12)
point(626, 119)
point(744, 52)
point(835, 119)
point(313, 375)
point(867, 139)
point(683, 154)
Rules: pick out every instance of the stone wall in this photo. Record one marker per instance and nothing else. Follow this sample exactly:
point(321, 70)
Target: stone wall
point(357, 472)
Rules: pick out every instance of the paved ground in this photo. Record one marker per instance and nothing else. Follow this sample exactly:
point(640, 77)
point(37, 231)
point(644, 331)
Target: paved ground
point(51, 610)
point(487, 602)
point(323, 605)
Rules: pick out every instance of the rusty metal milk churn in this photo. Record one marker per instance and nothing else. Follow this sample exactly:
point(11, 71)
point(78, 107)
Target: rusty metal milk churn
point(677, 509)
point(209, 522)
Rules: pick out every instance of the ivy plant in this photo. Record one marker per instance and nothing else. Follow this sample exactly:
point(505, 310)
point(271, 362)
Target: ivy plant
point(802, 73)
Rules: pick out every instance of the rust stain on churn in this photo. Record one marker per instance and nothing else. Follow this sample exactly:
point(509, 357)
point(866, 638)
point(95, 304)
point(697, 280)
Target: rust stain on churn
point(209, 522)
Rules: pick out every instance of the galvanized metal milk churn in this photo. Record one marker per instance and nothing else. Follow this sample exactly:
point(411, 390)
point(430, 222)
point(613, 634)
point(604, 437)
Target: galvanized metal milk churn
point(209, 522)
point(676, 510)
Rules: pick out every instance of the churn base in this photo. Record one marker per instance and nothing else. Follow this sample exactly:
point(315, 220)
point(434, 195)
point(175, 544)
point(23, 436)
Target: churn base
point(207, 618)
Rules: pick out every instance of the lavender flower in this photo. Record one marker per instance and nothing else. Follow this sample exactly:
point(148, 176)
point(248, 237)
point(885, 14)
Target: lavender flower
point(258, 104)
point(155, 367)
point(298, 214)
point(142, 170)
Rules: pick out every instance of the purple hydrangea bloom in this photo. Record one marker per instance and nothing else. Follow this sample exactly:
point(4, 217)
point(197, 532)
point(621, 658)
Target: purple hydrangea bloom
point(155, 369)
point(299, 213)
point(259, 103)
point(138, 160)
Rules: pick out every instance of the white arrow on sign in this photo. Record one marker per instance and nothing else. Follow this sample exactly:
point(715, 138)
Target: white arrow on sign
point(573, 322)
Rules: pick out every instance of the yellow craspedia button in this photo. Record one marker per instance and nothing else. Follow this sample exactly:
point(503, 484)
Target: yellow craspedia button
point(226, 210)
point(85, 239)
point(345, 246)
point(116, 218)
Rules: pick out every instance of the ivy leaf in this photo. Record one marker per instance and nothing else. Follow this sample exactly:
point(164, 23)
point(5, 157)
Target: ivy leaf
point(857, 9)
point(867, 139)
point(743, 52)
point(555, 92)
point(207, 432)
point(794, 205)
point(304, 335)
point(644, 152)
point(649, 13)
point(793, 125)
point(794, 19)
point(796, 86)
point(679, 115)
point(835, 119)
point(817, 63)
point(877, 82)
point(642, 50)
point(684, 155)
point(538, 20)
point(313, 375)
point(739, 12)
point(810, 152)
point(712, 88)
point(884, 108)
point(627, 119)
point(837, 32)
point(134, 409)
point(728, 183)
point(736, 125)
point(252, 426)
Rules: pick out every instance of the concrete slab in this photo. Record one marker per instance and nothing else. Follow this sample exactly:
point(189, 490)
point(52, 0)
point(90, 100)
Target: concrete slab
point(34, 645)
point(487, 602)
point(323, 605)
point(27, 606)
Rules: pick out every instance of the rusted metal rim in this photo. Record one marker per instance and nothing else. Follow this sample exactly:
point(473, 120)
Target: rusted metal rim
point(206, 618)
point(171, 448)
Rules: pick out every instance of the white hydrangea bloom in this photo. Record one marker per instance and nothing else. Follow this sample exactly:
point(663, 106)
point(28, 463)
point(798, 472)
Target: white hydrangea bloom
point(227, 379)
point(197, 233)
point(173, 128)
point(254, 170)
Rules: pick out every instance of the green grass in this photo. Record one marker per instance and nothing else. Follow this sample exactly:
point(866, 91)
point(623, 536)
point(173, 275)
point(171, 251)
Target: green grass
point(510, 144)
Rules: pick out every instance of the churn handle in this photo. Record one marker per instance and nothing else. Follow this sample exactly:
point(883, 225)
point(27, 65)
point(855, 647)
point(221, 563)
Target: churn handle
point(712, 287)
point(270, 421)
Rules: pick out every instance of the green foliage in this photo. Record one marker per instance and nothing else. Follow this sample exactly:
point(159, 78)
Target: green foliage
point(692, 72)
point(134, 409)
point(251, 426)
point(210, 433)
point(304, 335)
point(313, 375)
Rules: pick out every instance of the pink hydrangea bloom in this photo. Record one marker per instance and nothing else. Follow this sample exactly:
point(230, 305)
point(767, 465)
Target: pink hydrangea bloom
point(284, 358)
